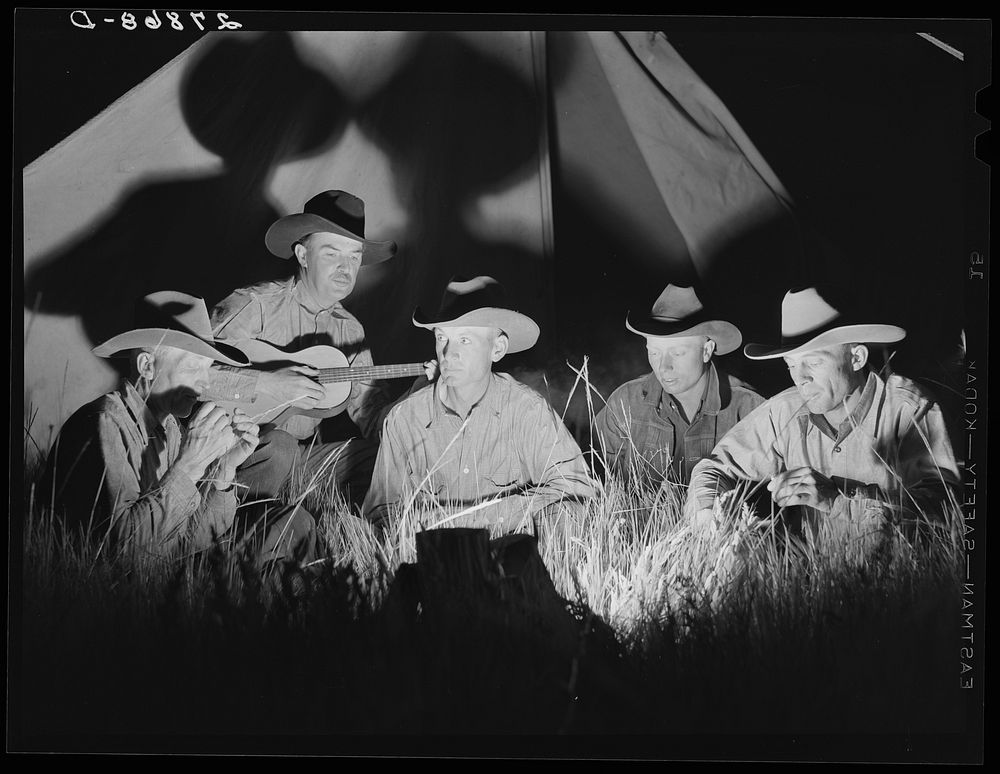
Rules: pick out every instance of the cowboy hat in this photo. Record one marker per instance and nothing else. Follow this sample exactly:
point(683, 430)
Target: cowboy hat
point(809, 323)
point(480, 302)
point(172, 319)
point(335, 212)
point(678, 312)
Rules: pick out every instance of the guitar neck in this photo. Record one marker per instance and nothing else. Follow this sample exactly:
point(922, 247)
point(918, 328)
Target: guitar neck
point(362, 373)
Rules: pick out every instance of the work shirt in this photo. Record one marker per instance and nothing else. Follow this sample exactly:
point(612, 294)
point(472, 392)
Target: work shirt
point(284, 314)
point(643, 432)
point(891, 458)
point(511, 444)
point(112, 471)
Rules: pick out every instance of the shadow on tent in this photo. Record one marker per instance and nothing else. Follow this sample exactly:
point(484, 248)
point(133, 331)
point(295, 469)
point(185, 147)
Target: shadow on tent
point(255, 105)
point(457, 126)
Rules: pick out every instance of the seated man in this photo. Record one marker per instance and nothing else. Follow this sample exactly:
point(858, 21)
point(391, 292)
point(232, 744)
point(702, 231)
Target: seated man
point(124, 474)
point(659, 425)
point(329, 248)
point(480, 447)
point(845, 452)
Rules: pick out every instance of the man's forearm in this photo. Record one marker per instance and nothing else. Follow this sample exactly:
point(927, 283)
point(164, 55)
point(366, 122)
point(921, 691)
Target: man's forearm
point(509, 511)
point(231, 384)
point(707, 484)
point(506, 512)
point(157, 520)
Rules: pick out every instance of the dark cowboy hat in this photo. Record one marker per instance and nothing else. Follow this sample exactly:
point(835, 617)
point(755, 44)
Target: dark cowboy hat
point(336, 212)
point(480, 302)
point(678, 312)
point(172, 319)
point(809, 323)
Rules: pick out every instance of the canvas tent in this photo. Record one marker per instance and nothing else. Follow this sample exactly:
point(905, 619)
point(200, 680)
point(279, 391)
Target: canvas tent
point(464, 147)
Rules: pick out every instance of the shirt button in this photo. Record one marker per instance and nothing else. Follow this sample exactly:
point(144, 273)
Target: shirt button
point(237, 396)
point(465, 470)
point(836, 448)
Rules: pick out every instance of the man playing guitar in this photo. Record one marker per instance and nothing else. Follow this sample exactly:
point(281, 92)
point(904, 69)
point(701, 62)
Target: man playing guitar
point(327, 242)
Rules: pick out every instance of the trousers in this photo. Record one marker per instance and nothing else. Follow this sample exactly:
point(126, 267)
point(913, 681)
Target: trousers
point(273, 533)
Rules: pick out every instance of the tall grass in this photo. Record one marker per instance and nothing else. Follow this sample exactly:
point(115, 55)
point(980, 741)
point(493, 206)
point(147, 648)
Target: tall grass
point(731, 630)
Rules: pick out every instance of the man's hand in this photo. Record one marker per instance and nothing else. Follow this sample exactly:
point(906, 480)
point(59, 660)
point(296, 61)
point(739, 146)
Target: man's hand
point(803, 486)
point(431, 370)
point(294, 386)
point(247, 436)
point(695, 514)
point(209, 437)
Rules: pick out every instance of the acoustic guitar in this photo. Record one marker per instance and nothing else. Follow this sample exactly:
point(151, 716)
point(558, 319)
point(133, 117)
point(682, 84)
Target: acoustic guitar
point(335, 376)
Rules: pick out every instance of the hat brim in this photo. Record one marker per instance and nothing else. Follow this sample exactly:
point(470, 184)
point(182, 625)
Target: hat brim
point(522, 332)
point(290, 229)
point(844, 334)
point(142, 338)
point(727, 337)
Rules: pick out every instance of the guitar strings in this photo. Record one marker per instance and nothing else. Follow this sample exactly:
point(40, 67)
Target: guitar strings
point(354, 374)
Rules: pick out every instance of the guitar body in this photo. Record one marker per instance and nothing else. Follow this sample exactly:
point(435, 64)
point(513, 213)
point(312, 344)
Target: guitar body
point(336, 377)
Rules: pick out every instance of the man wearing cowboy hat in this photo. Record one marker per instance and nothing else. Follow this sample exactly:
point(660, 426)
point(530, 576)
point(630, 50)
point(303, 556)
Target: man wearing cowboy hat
point(476, 448)
point(659, 425)
point(328, 245)
point(124, 473)
point(846, 451)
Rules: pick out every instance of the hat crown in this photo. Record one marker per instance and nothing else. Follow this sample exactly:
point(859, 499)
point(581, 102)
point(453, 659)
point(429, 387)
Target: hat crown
point(340, 207)
point(804, 311)
point(676, 302)
point(174, 310)
point(480, 302)
point(462, 296)
point(809, 323)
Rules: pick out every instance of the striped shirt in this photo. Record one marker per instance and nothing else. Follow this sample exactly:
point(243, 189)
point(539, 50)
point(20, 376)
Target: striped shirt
point(511, 445)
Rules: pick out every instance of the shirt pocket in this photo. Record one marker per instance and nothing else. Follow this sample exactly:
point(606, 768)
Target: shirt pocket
point(653, 441)
point(697, 447)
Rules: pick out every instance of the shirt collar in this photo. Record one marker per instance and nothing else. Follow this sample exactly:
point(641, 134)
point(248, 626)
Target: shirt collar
point(717, 392)
point(716, 398)
point(136, 406)
point(308, 301)
point(490, 402)
point(855, 418)
point(652, 390)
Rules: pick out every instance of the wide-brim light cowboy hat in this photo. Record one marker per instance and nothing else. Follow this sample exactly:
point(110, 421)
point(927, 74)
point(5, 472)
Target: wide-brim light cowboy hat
point(169, 318)
point(809, 323)
point(480, 302)
point(335, 212)
point(678, 312)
